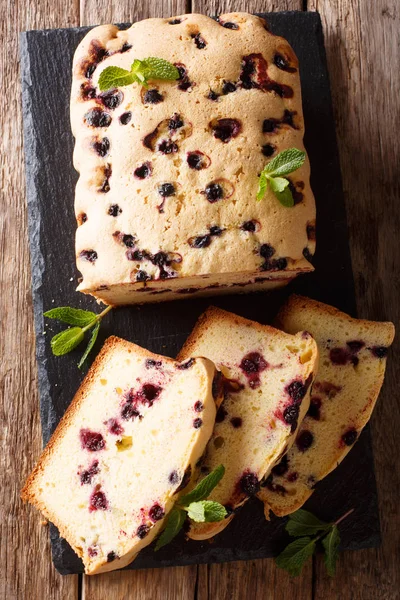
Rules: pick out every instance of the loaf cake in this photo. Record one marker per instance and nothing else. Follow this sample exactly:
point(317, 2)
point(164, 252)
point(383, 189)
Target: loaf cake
point(352, 367)
point(266, 378)
point(166, 199)
point(123, 451)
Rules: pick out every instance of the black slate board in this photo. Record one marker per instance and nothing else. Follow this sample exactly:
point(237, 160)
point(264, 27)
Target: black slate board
point(46, 58)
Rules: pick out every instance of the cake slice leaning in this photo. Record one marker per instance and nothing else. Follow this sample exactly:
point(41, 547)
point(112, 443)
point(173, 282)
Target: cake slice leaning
point(125, 448)
point(266, 377)
point(352, 367)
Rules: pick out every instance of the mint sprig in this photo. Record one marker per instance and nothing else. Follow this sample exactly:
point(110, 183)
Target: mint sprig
point(141, 72)
point(295, 555)
point(206, 511)
point(284, 163)
point(331, 546)
point(309, 530)
point(82, 321)
point(303, 522)
point(174, 524)
point(204, 488)
point(195, 507)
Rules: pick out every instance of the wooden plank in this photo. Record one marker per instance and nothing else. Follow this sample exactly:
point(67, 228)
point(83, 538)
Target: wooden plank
point(152, 584)
point(217, 7)
point(94, 12)
point(26, 567)
point(252, 579)
point(364, 65)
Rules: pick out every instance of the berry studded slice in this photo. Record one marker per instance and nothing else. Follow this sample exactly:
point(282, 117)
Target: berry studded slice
point(352, 367)
point(124, 450)
point(266, 379)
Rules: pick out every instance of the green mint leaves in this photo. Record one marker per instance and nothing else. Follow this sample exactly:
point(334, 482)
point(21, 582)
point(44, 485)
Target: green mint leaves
point(308, 530)
point(175, 521)
point(195, 506)
point(295, 555)
point(114, 77)
point(67, 340)
point(204, 488)
point(141, 72)
point(284, 163)
point(71, 316)
point(303, 522)
point(206, 511)
point(331, 547)
point(82, 321)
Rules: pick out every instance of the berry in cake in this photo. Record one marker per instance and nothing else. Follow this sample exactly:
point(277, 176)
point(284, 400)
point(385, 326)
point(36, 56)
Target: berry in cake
point(125, 118)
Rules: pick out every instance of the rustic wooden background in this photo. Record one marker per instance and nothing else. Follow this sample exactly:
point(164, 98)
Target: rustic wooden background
point(363, 46)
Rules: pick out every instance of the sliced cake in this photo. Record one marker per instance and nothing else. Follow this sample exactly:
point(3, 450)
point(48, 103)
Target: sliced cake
point(123, 451)
point(350, 375)
point(266, 378)
point(166, 199)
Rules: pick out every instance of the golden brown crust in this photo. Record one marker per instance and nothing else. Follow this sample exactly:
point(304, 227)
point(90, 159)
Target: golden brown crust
point(214, 314)
point(296, 303)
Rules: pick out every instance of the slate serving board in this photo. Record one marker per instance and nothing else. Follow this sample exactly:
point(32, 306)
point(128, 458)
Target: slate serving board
point(46, 58)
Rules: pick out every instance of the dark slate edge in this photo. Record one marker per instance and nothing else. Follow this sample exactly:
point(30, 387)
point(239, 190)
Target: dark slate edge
point(47, 412)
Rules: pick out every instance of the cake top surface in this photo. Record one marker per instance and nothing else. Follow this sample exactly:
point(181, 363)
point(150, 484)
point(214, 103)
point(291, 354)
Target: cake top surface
point(112, 470)
point(169, 174)
point(350, 375)
point(267, 375)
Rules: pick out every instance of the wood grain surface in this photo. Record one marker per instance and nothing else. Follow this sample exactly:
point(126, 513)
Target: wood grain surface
point(362, 38)
point(363, 42)
point(26, 570)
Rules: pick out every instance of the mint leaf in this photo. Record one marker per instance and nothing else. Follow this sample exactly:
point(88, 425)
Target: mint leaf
point(204, 488)
point(138, 71)
point(67, 340)
point(262, 186)
point(72, 316)
point(174, 524)
point(141, 71)
point(303, 522)
point(331, 546)
point(214, 511)
point(113, 77)
point(206, 511)
point(285, 162)
point(285, 197)
point(295, 555)
point(90, 345)
point(158, 68)
point(196, 511)
point(278, 184)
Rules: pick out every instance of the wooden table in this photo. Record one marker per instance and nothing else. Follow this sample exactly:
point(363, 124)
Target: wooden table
point(362, 39)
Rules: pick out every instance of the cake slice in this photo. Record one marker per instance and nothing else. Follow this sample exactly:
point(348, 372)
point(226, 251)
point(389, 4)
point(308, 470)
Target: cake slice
point(350, 375)
point(266, 377)
point(166, 198)
point(125, 448)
